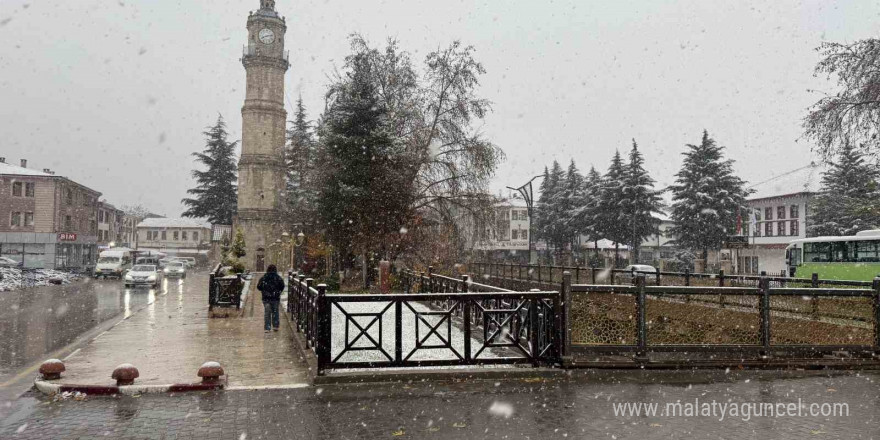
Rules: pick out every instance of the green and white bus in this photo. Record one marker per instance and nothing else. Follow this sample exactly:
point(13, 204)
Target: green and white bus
point(854, 257)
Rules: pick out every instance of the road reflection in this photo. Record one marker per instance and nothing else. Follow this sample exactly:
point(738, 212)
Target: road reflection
point(37, 321)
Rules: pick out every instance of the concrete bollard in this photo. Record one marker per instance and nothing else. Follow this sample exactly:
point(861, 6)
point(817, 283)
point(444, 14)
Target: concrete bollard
point(125, 374)
point(210, 372)
point(51, 369)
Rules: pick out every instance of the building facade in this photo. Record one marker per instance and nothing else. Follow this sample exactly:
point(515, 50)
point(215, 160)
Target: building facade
point(176, 237)
point(109, 225)
point(264, 120)
point(781, 211)
point(505, 235)
point(47, 221)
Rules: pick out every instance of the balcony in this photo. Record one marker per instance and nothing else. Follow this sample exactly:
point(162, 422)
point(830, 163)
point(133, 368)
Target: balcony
point(252, 50)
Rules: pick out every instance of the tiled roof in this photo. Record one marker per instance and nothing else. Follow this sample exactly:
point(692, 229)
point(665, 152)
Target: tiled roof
point(801, 180)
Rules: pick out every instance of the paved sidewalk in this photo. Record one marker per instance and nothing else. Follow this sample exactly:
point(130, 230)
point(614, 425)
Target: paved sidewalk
point(168, 341)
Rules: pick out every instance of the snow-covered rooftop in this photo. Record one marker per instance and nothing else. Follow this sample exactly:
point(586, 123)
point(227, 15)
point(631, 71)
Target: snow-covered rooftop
point(173, 223)
point(15, 170)
point(801, 180)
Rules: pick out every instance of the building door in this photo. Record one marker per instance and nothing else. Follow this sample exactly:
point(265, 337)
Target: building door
point(261, 260)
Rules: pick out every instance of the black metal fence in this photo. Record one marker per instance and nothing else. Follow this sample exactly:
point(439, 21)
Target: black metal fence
point(543, 275)
point(446, 321)
point(765, 319)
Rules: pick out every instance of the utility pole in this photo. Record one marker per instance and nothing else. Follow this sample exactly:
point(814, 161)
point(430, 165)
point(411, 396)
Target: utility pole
point(528, 195)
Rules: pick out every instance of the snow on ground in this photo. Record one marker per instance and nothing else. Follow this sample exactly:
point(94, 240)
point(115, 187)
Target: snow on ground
point(12, 278)
point(449, 332)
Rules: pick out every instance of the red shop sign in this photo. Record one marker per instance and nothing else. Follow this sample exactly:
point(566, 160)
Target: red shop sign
point(66, 236)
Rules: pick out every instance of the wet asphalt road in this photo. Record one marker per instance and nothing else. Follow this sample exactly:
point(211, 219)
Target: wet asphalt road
point(580, 408)
point(41, 322)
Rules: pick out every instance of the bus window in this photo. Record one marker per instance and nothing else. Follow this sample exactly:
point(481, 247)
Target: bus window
point(866, 251)
point(840, 252)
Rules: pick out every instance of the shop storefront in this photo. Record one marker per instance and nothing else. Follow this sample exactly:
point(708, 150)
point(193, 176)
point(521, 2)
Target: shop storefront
point(62, 251)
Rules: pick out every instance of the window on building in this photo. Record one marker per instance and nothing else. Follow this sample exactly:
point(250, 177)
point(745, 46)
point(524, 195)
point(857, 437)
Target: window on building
point(524, 214)
point(183, 235)
point(68, 194)
point(745, 230)
point(16, 189)
point(68, 222)
point(794, 211)
point(794, 228)
point(101, 216)
point(195, 236)
point(28, 189)
point(29, 219)
point(758, 230)
point(524, 234)
point(780, 213)
point(780, 229)
point(514, 234)
point(768, 213)
point(176, 236)
point(768, 229)
point(15, 219)
point(164, 235)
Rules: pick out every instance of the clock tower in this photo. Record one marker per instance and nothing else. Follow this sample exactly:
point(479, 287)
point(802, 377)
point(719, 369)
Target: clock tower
point(261, 166)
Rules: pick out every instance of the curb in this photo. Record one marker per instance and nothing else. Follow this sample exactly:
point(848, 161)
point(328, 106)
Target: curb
point(50, 388)
point(458, 374)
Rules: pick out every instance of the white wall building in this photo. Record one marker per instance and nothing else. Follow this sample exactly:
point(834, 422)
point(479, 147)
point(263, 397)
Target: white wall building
point(174, 236)
point(780, 205)
point(506, 236)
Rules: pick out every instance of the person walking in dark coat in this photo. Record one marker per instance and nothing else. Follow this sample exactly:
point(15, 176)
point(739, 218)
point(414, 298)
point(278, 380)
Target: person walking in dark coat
point(271, 285)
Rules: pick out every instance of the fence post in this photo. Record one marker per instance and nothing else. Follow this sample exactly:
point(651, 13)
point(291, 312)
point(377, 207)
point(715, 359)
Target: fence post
point(466, 316)
point(876, 310)
point(431, 279)
point(721, 284)
point(577, 274)
point(814, 306)
point(539, 272)
point(658, 275)
point(212, 290)
point(534, 330)
point(563, 318)
point(633, 276)
point(687, 277)
point(398, 331)
point(323, 337)
point(593, 272)
point(764, 290)
point(641, 352)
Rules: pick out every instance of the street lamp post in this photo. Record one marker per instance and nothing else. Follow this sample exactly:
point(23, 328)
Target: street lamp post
point(296, 242)
point(528, 195)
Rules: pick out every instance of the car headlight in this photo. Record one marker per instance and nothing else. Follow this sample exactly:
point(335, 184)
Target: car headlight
point(128, 278)
point(152, 278)
point(166, 270)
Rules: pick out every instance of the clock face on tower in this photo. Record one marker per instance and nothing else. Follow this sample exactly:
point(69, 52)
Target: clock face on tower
point(267, 36)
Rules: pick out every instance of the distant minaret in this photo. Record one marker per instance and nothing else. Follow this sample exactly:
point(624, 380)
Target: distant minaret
point(261, 167)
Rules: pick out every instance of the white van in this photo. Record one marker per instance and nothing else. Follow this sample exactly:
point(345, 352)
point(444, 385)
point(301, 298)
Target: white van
point(113, 263)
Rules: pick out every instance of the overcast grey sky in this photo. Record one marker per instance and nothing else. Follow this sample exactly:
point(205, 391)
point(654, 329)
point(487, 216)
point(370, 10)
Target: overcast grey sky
point(115, 94)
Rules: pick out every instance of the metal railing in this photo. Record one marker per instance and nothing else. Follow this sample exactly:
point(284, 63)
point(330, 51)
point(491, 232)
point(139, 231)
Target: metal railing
point(765, 319)
point(550, 274)
point(446, 322)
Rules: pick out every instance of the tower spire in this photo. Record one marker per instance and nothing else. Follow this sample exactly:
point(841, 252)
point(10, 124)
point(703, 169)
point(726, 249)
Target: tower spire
point(267, 4)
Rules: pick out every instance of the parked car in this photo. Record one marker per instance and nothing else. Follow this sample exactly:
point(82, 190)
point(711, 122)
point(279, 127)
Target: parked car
point(639, 269)
point(189, 261)
point(148, 261)
point(143, 275)
point(8, 262)
point(175, 269)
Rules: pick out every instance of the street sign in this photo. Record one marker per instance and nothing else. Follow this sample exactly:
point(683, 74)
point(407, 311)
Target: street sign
point(736, 242)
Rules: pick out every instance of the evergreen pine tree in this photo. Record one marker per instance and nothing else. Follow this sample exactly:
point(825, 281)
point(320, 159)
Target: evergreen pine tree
point(300, 160)
point(552, 208)
point(638, 204)
point(215, 197)
point(364, 198)
point(608, 217)
point(707, 198)
point(587, 211)
point(573, 198)
point(850, 197)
